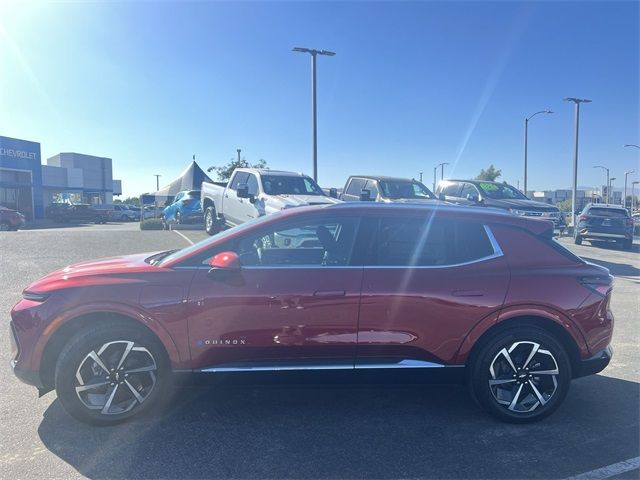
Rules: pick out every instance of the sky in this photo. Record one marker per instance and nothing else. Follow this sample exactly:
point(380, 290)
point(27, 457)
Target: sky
point(413, 84)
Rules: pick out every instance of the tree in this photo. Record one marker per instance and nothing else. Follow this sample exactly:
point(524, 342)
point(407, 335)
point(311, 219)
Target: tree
point(489, 174)
point(564, 205)
point(129, 201)
point(224, 172)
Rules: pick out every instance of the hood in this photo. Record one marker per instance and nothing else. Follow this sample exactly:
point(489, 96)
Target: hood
point(113, 270)
point(284, 201)
point(519, 204)
point(421, 201)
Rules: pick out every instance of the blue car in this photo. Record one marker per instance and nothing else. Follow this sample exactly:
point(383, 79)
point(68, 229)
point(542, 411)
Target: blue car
point(186, 207)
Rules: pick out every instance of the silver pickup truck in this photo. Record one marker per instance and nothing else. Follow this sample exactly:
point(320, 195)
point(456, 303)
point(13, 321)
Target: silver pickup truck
point(253, 192)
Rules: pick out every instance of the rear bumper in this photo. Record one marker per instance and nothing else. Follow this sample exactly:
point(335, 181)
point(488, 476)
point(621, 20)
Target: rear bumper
point(605, 235)
point(595, 364)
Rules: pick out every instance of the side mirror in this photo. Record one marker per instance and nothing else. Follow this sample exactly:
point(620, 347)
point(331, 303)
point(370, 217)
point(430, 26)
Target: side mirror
point(365, 195)
point(473, 198)
point(333, 192)
point(242, 191)
point(224, 262)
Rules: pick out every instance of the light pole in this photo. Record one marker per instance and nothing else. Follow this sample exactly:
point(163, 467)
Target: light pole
point(633, 195)
point(435, 172)
point(526, 137)
point(574, 189)
point(624, 195)
point(605, 168)
point(157, 181)
point(420, 177)
point(442, 170)
point(314, 116)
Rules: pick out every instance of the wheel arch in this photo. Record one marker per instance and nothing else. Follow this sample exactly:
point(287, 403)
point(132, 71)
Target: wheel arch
point(61, 336)
point(544, 323)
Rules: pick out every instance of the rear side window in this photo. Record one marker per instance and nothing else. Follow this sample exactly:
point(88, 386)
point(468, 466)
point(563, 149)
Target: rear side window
point(355, 186)
point(413, 241)
point(608, 212)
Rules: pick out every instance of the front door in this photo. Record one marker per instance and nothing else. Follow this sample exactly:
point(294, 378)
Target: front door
point(293, 304)
point(427, 282)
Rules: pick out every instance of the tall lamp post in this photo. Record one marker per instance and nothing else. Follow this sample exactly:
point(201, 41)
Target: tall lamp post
point(607, 184)
point(574, 188)
point(526, 141)
point(314, 115)
point(624, 198)
point(633, 195)
point(435, 172)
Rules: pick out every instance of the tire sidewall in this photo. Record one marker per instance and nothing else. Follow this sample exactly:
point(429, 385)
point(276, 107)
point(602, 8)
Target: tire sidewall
point(210, 211)
point(479, 373)
point(77, 349)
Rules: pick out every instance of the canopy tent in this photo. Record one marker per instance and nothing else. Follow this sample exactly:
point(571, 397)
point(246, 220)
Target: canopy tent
point(190, 179)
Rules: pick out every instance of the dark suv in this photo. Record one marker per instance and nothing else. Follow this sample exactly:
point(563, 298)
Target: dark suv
point(357, 289)
point(385, 189)
point(498, 195)
point(603, 222)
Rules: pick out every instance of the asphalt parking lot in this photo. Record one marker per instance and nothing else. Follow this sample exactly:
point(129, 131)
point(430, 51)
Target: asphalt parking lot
point(313, 431)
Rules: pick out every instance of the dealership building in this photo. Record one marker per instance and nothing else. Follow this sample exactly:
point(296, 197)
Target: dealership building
point(29, 186)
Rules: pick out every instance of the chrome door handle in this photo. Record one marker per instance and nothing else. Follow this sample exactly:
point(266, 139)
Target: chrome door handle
point(329, 293)
point(467, 293)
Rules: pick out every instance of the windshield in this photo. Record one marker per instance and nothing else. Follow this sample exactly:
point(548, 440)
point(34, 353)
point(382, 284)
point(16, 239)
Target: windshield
point(500, 191)
point(289, 185)
point(398, 189)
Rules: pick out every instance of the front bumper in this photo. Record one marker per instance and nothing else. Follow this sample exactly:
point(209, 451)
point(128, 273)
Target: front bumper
point(595, 364)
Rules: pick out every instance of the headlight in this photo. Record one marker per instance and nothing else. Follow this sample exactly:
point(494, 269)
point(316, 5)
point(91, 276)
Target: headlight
point(516, 211)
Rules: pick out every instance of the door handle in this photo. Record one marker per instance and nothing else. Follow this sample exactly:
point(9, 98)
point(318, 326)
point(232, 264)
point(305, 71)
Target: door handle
point(329, 293)
point(467, 293)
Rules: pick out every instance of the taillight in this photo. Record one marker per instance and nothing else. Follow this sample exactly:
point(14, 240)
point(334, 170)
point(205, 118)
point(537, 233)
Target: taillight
point(584, 218)
point(598, 284)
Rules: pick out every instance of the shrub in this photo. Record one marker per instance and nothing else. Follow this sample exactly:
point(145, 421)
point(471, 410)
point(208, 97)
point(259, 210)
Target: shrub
point(152, 224)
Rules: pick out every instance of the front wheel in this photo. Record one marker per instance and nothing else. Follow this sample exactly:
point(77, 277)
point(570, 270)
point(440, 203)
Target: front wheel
point(211, 224)
point(521, 375)
point(111, 373)
point(627, 244)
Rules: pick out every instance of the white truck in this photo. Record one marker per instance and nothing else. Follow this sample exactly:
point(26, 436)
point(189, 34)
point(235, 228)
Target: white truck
point(253, 192)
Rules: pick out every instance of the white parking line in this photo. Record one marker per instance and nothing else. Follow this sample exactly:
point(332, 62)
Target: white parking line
point(609, 470)
point(183, 236)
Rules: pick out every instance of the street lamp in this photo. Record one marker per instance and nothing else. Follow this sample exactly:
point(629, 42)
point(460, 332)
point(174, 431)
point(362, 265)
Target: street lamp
point(624, 199)
point(526, 135)
point(633, 195)
point(314, 116)
point(574, 189)
point(435, 171)
point(632, 145)
point(605, 168)
point(157, 181)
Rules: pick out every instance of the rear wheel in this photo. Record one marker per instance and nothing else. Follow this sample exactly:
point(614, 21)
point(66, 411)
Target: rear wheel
point(111, 373)
point(178, 217)
point(211, 224)
point(521, 375)
point(627, 244)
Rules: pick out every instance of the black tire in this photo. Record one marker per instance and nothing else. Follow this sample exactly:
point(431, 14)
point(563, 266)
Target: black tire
point(178, 217)
point(165, 225)
point(211, 223)
point(73, 359)
point(489, 356)
point(627, 244)
point(577, 240)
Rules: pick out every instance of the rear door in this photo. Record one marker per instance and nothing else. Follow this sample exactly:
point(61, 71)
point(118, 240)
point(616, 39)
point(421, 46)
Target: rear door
point(427, 281)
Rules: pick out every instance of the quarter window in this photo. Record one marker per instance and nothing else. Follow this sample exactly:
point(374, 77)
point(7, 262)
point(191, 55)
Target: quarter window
point(414, 241)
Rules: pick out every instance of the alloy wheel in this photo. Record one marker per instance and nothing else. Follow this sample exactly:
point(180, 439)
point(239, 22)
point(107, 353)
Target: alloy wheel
point(116, 377)
point(523, 377)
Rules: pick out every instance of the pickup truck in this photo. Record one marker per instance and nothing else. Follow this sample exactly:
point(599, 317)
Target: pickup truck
point(372, 188)
point(253, 192)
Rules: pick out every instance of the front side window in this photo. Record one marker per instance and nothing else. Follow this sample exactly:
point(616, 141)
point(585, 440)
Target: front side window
point(315, 241)
point(355, 186)
point(252, 184)
point(429, 242)
point(468, 189)
point(396, 190)
point(239, 178)
point(289, 185)
point(373, 189)
point(499, 191)
point(451, 190)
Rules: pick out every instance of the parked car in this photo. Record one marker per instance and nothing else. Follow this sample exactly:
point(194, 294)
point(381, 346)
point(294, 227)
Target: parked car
point(10, 219)
point(605, 223)
point(76, 212)
point(368, 188)
point(355, 287)
point(253, 193)
point(186, 207)
point(497, 195)
point(120, 212)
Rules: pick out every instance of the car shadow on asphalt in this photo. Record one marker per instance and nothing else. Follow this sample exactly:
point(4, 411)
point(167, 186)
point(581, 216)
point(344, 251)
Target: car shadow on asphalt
point(616, 269)
point(370, 431)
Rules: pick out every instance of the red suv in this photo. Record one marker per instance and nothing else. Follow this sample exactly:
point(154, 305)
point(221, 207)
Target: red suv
point(357, 287)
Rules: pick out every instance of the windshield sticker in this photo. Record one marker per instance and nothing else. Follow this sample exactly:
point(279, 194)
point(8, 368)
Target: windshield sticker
point(489, 187)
